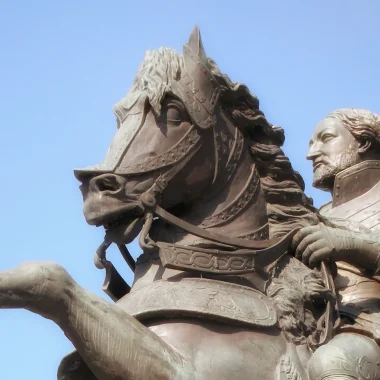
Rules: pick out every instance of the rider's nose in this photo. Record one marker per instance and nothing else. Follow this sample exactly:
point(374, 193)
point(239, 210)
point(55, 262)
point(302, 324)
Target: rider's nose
point(107, 183)
point(313, 152)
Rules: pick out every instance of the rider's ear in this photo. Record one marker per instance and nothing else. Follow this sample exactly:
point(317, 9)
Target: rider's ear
point(364, 146)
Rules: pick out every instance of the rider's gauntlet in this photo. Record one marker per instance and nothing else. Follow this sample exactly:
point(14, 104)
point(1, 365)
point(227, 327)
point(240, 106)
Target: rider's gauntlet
point(356, 248)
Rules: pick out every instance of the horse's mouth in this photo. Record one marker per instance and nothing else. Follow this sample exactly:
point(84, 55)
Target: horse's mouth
point(123, 219)
point(100, 211)
point(124, 228)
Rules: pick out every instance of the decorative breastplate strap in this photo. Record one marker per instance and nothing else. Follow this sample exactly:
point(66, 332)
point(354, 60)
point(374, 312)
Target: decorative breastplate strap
point(228, 152)
point(237, 205)
point(217, 261)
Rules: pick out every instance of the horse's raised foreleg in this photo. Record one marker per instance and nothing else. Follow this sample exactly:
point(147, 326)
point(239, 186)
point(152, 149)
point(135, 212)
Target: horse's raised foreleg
point(113, 344)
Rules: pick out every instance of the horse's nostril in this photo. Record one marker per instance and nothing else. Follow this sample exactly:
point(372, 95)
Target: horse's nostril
point(107, 182)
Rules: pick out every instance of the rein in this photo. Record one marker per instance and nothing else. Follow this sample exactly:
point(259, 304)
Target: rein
point(150, 205)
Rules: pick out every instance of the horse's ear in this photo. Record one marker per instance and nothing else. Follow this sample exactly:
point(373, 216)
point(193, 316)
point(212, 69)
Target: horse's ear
point(196, 45)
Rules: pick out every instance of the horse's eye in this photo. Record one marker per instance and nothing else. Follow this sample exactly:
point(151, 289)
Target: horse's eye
point(174, 114)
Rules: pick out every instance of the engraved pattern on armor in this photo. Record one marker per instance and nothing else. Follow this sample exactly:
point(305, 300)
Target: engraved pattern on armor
point(362, 368)
point(357, 179)
point(170, 157)
point(229, 168)
point(222, 150)
point(342, 368)
point(234, 159)
point(237, 205)
point(200, 102)
point(364, 209)
point(288, 370)
point(199, 297)
point(367, 369)
point(260, 234)
point(206, 260)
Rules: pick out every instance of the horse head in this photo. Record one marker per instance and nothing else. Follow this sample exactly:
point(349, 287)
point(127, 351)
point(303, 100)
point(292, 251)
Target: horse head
point(198, 145)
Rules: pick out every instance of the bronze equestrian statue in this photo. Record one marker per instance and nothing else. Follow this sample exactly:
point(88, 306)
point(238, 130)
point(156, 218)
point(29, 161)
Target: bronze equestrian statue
point(345, 150)
point(197, 170)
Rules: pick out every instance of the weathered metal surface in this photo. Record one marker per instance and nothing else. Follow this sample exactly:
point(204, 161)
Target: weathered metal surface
point(201, 298)
point(197, 170)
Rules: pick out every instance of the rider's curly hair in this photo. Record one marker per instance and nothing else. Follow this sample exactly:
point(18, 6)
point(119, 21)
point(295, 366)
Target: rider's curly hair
point(363, 124)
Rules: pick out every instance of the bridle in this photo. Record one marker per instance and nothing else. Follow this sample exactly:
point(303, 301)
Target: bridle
point(168, 165)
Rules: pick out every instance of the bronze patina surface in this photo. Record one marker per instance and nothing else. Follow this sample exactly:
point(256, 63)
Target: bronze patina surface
point(197, 172)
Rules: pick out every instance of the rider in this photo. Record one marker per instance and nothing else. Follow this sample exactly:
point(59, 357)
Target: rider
point(345, 151)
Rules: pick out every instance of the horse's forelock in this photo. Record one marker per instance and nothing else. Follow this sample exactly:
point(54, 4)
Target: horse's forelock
point(154, 78)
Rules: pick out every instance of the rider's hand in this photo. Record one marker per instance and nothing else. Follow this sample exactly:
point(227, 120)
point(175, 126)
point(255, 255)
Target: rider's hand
point(322, 243)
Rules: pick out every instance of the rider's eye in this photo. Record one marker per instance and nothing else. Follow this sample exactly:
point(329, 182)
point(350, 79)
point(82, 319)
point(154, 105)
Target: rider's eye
point(327, 137)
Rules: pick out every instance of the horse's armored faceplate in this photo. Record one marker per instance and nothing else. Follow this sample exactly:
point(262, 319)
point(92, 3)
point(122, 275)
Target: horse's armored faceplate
point(124, 136)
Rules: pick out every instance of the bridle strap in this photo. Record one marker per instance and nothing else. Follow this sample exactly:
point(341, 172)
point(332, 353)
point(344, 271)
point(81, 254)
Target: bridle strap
point(237, 205)
point(164, 178)
point(149, 203)
point(169, 158)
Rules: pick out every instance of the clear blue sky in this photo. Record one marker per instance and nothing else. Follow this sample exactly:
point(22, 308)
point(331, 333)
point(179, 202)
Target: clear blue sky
point(65, 63)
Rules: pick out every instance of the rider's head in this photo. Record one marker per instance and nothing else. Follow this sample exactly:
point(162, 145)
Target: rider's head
point(344, 138)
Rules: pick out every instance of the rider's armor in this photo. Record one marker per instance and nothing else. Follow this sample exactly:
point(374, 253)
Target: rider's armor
point(356, 205)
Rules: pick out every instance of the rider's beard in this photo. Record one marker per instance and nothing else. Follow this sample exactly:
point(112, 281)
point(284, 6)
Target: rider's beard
point(324, 174)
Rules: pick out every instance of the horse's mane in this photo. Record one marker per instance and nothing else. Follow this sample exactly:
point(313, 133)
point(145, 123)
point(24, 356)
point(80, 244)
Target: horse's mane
point(288, 206)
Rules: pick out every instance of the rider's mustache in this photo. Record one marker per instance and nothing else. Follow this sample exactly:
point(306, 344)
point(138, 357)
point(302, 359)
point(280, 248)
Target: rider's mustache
point(322, 161)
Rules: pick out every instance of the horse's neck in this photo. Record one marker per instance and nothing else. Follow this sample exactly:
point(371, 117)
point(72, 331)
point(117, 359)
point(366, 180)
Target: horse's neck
point(237, 210)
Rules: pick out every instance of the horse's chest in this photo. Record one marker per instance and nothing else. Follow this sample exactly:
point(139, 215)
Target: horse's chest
point(219, 351)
